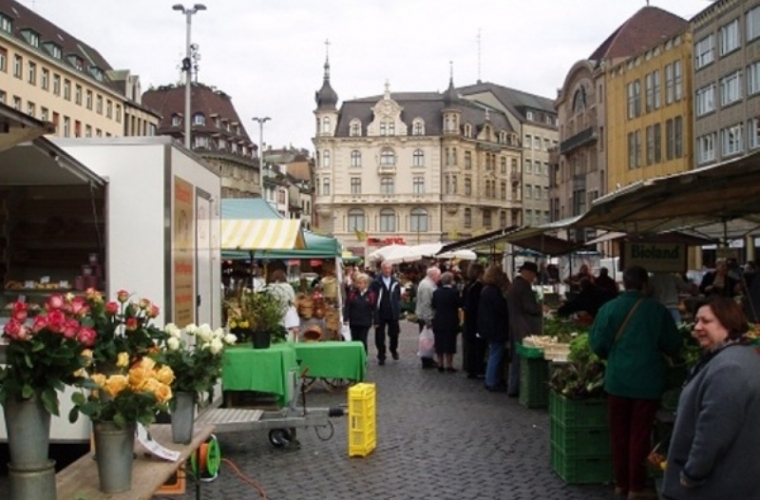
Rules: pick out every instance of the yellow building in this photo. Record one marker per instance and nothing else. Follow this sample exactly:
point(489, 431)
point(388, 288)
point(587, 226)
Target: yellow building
point(649, 113)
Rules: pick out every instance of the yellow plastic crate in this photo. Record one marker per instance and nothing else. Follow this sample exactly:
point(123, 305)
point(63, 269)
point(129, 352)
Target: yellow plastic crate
point(362, 423)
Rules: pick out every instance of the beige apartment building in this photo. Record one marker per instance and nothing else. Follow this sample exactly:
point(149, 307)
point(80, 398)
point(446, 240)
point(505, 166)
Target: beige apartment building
point(726, 37)
point(414, 167)
point(50, 75)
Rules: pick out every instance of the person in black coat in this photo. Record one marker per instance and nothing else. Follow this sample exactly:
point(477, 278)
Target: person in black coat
point(387, 289)
point(359, 310)
point(475, 352)
point(590, 299)
point(446, 304)
point(493, 323)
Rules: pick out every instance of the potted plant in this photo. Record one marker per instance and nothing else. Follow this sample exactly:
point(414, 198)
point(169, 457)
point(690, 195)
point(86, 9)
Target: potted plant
point(262, 315)
point(197, 365)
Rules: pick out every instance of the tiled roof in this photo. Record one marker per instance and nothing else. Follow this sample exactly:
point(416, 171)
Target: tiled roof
point(24, 18)
point(169, 100)
point(646, 28)
point(516, 101)
point(426, 105)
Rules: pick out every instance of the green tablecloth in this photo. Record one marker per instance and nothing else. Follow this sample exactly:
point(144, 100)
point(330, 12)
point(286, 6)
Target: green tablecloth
point(333, 359)
point(260, 370)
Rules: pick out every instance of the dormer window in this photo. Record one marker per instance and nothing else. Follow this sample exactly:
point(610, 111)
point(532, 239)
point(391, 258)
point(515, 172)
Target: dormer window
point(355, 129)
point(529, 115)
point(216, 121)
point(176, 120)
point(76, 61)
point(503, 137)
point(96, 73)
point(6, 24)
point(199, 119)
point(54, 49)
point(418, 127)
point(467, 130)
point(31, 37)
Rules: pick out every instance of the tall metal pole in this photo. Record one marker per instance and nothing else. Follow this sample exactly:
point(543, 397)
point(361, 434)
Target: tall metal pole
point(187, 66)
point(188, 79)
point(261, 122)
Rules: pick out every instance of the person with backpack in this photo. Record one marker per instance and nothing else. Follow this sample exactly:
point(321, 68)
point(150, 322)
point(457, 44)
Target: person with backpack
point(359, 310)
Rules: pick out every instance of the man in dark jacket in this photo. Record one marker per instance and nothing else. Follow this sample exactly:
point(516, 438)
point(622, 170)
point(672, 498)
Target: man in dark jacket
point(387, 312)
point(590, 299)
point(525, 314)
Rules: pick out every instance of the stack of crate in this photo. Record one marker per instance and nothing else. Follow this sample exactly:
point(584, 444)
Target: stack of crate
point(534, 377)
point(362, 421)
point(580, 437)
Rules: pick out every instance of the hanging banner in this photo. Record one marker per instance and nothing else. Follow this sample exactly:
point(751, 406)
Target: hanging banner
point(183, 231)
point(656, 257)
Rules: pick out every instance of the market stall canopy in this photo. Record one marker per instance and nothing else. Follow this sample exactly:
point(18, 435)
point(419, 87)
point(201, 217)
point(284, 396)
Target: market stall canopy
point(717, 201)
point(262, 234)
point(463, 254)
point(673, 237)
point(395, 254)
point(532, 238)
point(42, 163)
point(427, 249)
point(17, 127)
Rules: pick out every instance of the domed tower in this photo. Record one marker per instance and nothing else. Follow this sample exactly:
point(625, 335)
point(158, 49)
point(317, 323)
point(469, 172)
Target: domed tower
point(327, 99)
point(451, 113)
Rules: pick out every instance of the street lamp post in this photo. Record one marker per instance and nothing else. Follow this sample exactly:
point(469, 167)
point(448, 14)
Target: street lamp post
point(187, 64)
point(261, 122)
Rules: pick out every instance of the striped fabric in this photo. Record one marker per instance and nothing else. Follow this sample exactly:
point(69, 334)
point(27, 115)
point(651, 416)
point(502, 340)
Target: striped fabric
point(262, 234)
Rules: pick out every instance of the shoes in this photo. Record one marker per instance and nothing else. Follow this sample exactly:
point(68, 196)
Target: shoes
point(441, 369)
point(496, 388)
point(451, 369)
point(394, 355)
point(635, 495)
point(381, 362)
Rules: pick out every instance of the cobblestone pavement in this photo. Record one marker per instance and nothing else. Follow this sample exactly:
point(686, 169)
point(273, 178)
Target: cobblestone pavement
point(440, 436)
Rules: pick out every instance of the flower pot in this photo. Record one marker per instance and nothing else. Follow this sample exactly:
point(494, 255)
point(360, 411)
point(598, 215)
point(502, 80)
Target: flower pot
point(36, 482)
point(261, 340)
point(28, 427)
point(183, 417)
point(114, 452)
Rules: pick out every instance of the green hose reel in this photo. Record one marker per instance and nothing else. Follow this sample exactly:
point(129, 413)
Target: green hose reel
point(209, 455)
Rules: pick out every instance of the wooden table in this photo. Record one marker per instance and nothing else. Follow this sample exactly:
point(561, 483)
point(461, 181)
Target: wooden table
point(79, 481)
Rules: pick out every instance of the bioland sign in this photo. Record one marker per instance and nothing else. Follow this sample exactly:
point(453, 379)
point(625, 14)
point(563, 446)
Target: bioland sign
point(656, 257)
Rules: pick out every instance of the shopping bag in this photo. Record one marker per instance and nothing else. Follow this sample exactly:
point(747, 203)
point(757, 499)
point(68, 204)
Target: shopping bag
point(426, 343)
point(345, 332)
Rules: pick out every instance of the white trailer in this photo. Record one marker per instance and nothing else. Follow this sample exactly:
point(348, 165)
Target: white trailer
point(153, 224)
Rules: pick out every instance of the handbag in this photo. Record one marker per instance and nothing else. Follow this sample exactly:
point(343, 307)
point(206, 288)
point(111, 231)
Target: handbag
point(626, 320)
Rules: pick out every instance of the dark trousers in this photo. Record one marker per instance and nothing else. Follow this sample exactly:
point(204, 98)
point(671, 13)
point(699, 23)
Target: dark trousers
point(360, 333)
point(631, 422)
point(393, 328)
point(475, 355)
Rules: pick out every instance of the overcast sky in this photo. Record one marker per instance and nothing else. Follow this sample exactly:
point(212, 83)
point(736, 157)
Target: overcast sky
point(268, 54)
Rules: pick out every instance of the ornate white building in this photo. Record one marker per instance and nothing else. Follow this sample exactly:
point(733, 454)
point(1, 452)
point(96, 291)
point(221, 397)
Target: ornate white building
point(414, 167)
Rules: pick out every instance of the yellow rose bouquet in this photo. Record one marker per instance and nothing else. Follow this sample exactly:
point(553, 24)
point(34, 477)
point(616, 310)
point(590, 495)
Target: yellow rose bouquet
point(133, 393)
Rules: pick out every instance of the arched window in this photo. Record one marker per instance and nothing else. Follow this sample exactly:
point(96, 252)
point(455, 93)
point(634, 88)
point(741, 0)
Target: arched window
point(326, 159)
point(199, 119)
point(418, 220)
point(356, 220)
point(391, 128)
point(579, 100)
point(356, 158)
point(387, 220)
point(326, 125)
point(387, 157)
point(387, 186)
point(468, 218)
point(355, 128)
point(418, 127)
point(467, 130)
point(418, 158)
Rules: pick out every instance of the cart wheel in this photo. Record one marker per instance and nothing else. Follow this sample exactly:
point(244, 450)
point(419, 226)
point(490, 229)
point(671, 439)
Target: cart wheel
point(338, 383)
point(279, 438)
point(308, 383)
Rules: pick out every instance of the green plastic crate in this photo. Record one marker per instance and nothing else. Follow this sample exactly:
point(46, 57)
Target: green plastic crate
point(529, 352)
point(534, 383)
point(579, 442)
point(574, 413)
point(582, 470)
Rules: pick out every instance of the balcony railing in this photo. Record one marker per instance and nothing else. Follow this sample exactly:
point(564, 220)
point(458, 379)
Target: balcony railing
point(582, 138)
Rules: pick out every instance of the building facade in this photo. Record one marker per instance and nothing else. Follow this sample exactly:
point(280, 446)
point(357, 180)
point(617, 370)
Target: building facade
point(726, 38)
point(535, 120)
point(218, 135)
point(649, 113)
point(585, 113)
point(415, 167)
point(51, 75)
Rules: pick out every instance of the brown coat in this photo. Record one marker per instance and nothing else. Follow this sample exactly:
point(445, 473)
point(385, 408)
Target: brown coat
point(525, 312)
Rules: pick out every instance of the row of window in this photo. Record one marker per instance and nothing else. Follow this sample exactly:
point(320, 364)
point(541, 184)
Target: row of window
point(199, 119)
point(451, 186)
point(46, 116)
point(46, 82)
point(534, 116)
point(221, 144)
point(536, 167)
point(729, 38)
point(732, 141)
point(536, 192)
point(51, 48)
point(538, 143)
point(419, 221)
point(730, 90)
point(653, 136)
point(653, 90)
